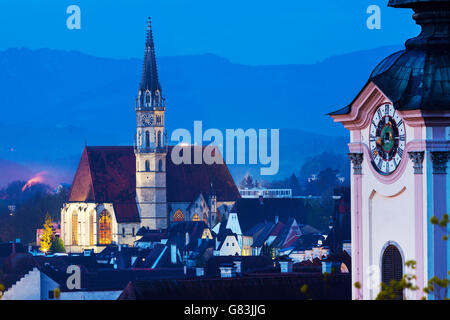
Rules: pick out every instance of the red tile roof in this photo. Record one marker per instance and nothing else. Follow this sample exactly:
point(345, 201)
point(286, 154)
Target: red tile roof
point(186, 181)
point(107, 174)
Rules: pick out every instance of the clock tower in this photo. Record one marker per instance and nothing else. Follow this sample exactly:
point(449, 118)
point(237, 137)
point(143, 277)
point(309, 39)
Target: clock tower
point(399, 127)
point(150, 146)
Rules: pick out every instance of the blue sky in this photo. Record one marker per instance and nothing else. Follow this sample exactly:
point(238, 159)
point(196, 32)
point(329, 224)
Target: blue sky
point(244, 31)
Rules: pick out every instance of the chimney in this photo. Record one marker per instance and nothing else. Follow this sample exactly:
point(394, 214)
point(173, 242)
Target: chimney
point(173, 253)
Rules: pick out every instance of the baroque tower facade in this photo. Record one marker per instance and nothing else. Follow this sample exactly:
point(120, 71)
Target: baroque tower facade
point(150, 146)
point(399, 148)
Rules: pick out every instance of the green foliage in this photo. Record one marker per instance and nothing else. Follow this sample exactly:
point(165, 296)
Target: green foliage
point(304, 289)
point(267, 251)
point(58, 246)
point(436, 285)
point(392, 290)
point(31, 206)
point(441, 224)
point(47, 236)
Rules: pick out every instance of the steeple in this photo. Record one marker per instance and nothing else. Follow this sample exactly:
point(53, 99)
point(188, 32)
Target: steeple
point(150, 93)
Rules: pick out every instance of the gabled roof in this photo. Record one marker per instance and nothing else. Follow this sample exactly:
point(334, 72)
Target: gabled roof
point(260, 238)
point(108, 174)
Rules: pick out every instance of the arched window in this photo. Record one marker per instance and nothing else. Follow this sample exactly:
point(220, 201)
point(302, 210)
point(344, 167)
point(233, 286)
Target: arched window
point(392, 267)
point(196, 217)
point(147, 165)
point(75, 229)
point(91, 229)
point(104, 228)
point(178, 216)
point(159, 139)
point(160, 165)
point(147, 139)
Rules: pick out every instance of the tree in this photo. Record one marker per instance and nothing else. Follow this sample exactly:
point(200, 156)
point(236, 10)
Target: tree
point(58, 246)
point(47, 237)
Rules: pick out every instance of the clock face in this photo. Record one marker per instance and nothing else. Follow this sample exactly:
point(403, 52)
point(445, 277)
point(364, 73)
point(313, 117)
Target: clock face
point(387, 139)
point(147, 119)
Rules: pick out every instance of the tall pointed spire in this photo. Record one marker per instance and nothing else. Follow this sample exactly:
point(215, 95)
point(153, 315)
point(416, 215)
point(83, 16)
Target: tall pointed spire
point(150, 93)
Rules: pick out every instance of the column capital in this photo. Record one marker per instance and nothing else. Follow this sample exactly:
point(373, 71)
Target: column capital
point(439, 160)
point(356, 159)
point(417, 159)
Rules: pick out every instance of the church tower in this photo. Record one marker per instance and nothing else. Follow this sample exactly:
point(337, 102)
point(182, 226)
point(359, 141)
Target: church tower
point(399, 148)
point(150, 145)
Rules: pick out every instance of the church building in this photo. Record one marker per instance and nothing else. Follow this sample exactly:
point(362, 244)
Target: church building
point(399, 128)
point(118, 190)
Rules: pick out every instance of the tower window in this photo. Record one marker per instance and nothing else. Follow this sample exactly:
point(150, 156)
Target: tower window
point(159, 139)
point(147, 165)
point(147, 139)
point(160, 165)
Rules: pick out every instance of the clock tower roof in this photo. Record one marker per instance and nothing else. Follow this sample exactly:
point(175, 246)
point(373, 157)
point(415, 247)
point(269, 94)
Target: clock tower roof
point(150, 79)
point(418, 78)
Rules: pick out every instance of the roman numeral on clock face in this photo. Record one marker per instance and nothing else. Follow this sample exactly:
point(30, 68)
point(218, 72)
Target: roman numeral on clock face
point(400, 152)
point(373, 138)
point(379, 114)
point(380, 164)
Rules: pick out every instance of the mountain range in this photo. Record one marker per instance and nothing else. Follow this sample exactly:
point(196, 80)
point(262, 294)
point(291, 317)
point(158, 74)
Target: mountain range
point(55, 102)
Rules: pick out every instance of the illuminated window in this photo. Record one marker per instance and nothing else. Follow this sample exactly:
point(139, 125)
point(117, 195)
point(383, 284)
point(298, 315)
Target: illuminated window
point(196, 217)
point(74, 228)
point(178, 216)
point(91, 229)
point(104, 228)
